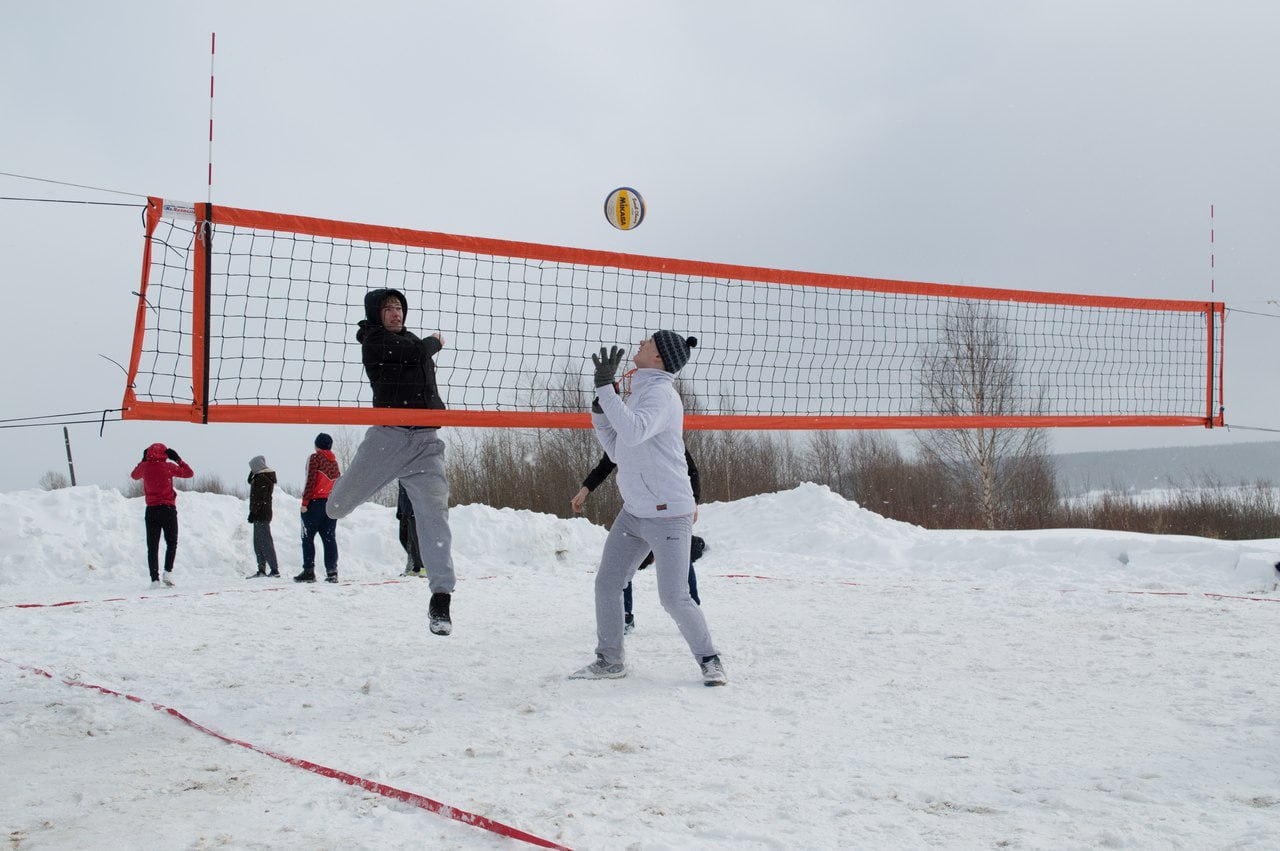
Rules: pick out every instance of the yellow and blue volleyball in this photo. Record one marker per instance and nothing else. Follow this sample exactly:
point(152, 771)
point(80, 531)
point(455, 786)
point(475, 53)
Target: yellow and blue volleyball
point(624, 208)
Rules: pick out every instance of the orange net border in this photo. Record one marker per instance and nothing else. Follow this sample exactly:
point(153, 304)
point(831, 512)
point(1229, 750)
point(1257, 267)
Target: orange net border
point(197, 410)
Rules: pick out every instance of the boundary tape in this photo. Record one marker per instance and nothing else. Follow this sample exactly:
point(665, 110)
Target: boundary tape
point(1209, 594)
point(173, 594)
point(761, 577)
point(382, 789)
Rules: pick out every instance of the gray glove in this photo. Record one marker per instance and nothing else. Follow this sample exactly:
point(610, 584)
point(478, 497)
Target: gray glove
point(607, 365)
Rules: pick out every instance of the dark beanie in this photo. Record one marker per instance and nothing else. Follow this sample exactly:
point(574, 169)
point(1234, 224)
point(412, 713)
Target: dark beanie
point(324, 441)
point(674, 349)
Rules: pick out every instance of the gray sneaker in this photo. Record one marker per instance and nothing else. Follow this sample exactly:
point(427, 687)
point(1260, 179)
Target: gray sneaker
point(712, 671)
point(600, 670)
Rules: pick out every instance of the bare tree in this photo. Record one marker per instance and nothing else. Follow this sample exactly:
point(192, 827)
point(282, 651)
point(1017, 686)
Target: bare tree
point(53, 480)
point(972, 369)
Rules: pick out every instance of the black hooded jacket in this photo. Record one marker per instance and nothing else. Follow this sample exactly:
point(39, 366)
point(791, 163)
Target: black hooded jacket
point(261, 485)
point(399, 364)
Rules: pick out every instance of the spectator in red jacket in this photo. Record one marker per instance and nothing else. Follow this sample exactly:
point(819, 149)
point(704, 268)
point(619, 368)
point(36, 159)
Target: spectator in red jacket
point(322, 472)
point(157, 469)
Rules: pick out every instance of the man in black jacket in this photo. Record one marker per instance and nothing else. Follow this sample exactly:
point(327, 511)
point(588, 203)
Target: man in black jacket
point(402, 374)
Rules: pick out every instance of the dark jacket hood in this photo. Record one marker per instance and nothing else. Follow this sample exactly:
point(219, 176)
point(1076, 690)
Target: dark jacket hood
point(373, 304)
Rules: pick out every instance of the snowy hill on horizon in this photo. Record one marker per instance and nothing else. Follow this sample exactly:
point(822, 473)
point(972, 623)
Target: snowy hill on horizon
point(889, 686)
point(1138, 470)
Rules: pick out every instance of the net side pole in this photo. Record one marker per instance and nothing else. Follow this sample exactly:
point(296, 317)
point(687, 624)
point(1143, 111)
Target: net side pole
point(200, 286)
point(151, 218)
point(1222, 338)
point(1210, 383)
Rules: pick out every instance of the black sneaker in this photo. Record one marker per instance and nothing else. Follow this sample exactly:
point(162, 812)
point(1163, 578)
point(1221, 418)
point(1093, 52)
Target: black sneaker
point(629, 623)
point(438, 614)
point(259, 575)
point(305, 576)
point(332, 577)
point(275, 574)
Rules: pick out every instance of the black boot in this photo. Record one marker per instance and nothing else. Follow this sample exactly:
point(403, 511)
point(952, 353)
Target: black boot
point(438, 614)
point(305, 576)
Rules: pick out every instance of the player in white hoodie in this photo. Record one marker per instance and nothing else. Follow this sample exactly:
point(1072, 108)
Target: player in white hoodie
point(645, 437)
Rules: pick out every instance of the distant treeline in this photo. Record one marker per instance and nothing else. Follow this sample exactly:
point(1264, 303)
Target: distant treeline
point(540, 470)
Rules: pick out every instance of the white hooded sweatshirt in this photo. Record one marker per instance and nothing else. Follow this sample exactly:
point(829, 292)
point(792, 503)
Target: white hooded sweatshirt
point(645, 437)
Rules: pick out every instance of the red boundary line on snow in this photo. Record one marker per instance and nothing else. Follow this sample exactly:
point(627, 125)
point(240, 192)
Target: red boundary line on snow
point(383, 789)
point(1211, 595)
point(1208, 594)
point(259, 590)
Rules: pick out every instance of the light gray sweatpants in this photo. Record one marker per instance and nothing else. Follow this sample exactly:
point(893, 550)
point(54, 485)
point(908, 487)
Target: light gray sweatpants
point(416, 458)
point(630, 540)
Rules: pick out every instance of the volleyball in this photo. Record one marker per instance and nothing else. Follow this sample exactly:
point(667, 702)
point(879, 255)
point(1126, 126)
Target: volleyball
point(624, 208)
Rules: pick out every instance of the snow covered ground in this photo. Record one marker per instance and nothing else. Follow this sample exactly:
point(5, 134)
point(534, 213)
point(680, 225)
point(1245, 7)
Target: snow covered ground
point(890, 687)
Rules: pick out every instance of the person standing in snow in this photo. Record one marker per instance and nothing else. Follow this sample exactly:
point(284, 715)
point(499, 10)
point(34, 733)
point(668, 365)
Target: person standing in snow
point(645, 436)
point(697, 546)
point(322, 473)
point(158, 468)
point(408, 534)
point(402, 374)
point(262, 486)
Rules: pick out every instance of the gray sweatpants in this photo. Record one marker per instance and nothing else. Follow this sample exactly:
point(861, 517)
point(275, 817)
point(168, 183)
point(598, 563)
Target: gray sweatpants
point(416, 458)
point(630, 540)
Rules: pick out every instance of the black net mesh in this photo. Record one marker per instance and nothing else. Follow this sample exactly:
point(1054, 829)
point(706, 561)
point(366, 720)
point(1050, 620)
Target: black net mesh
point(283, 308)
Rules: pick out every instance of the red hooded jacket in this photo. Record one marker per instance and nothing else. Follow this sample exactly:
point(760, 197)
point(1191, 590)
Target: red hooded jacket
point(157, 474)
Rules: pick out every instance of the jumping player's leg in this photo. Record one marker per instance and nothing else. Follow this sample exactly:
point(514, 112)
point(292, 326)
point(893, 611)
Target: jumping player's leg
point(378, 462)
point(423, 477)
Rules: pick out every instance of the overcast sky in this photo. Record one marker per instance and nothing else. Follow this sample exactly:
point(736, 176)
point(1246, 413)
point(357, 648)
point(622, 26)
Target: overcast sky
point(1065, 146)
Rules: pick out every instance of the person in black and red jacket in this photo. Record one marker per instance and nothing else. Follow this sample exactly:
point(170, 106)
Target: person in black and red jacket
point(322, 472)
point(158, 468)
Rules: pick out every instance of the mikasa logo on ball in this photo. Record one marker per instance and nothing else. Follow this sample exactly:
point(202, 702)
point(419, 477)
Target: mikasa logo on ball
point(624, 208)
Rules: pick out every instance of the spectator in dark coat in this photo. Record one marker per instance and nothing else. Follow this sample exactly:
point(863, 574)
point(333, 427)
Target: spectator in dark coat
point(262, 486)
point(157, 470)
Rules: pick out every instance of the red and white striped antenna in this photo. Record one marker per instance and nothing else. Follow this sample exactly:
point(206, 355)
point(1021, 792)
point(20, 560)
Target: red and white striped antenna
point(213, 43)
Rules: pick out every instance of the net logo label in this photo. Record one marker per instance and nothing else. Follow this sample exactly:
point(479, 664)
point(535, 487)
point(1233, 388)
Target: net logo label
point(178, 210)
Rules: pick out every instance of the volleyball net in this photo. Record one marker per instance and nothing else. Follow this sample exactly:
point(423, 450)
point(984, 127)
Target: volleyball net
point(247, 316)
